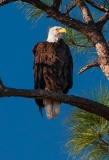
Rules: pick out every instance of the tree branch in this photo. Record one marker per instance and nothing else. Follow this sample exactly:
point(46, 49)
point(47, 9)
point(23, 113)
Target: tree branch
point(85, 11)
point(70, 8)
point(58, 16)
point(103, 20)
point(104, 148)
point(56, 4)
point(92, 64)
point(82, 103)
point(104, 142)
point(99, 7)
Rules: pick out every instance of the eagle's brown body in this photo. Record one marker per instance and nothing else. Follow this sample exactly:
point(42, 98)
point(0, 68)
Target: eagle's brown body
point(52, 68)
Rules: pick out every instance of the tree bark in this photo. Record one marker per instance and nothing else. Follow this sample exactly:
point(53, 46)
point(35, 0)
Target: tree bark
point(82, 103)
point(85, 12)
point(90, 65)
point(102, 50)
point(99, 7)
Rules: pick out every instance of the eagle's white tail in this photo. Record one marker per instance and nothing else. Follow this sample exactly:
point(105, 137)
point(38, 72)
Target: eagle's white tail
point(52, 108)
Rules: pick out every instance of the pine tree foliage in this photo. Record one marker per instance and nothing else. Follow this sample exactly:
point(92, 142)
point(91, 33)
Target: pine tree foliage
point(79, 44)
point(30, 11)
point(88, 133)
point(77, 41)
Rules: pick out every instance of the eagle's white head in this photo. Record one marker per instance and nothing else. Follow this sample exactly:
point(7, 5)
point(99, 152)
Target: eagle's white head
point(55, 33)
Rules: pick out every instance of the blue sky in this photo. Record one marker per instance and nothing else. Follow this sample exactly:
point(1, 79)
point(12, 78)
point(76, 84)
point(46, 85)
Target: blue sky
point(24, 134)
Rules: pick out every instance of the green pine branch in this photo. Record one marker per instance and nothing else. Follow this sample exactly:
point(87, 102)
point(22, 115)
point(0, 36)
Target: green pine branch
point(30, 11)
point(88, 133)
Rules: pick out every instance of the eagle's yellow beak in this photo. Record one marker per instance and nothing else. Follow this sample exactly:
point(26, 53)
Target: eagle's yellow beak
point(62, 30)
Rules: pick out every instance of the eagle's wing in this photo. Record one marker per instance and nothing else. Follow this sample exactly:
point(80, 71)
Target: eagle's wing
point(68, 66)
point(38, 71)
point(70, 77)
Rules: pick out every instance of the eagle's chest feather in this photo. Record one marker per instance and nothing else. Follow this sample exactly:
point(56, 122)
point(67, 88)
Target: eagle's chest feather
point(50, 55)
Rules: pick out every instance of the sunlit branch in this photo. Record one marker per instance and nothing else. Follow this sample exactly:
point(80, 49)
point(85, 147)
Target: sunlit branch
point(70, 8)
point(85, 11)
point(103, 20)
point(92, 64)
point(99, 7)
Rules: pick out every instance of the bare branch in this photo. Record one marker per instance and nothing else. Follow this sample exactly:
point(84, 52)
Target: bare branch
point(103, 20)
point(70, 8)
point(56, 4)
point(92, 64)
point(85, 11)
point(99, 7)
point(82, 103)
point(102, 140)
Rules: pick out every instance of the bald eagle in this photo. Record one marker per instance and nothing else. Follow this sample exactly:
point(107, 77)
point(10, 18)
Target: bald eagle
point(53, 67)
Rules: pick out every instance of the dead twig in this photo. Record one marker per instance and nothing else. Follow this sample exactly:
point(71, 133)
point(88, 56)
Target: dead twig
point(92, 64)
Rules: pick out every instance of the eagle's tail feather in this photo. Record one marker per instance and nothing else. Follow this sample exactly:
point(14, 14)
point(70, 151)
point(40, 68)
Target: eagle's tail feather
point(40, 110)
point(52, 108)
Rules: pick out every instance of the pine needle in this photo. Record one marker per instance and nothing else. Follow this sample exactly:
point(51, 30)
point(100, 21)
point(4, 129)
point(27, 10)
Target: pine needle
point(88, 133)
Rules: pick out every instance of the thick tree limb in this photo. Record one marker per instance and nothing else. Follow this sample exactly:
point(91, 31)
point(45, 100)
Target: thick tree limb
point(92, 64)
point(82, 103)
point(99, 7)
point(85, 11)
